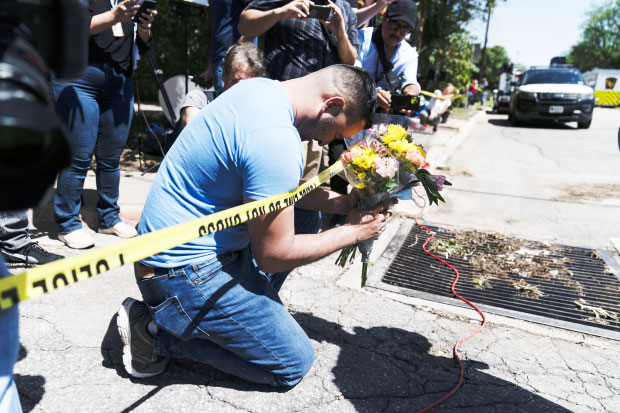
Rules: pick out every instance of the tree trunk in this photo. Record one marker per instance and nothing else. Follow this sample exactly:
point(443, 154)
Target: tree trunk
point(420, 26)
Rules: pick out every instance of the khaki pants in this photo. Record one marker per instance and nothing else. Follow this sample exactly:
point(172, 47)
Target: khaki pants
point(313, 154)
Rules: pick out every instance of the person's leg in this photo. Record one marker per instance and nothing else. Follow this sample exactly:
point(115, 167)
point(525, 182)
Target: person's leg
point(227, 314)
point(9, 343)
point(16, 246)
point(116, 111)
point(14, 230)
point(76, 104)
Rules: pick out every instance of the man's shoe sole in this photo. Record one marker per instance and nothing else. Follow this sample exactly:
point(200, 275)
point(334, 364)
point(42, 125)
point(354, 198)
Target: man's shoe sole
point(122, 322)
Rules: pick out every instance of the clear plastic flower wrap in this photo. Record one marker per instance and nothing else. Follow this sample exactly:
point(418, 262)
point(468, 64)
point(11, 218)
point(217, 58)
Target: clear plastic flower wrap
point(373, 171)
point(381, 162)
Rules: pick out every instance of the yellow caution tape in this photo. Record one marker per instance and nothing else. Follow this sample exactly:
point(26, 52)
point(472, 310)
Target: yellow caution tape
point(434, 95)
point(606, 98)
point(58, 274)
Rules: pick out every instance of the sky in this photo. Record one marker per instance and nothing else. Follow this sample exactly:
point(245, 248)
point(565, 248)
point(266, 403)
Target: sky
point(534, 31)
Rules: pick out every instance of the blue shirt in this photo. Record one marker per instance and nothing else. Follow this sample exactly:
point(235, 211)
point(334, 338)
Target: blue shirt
point(404, 59)
point(243, 144)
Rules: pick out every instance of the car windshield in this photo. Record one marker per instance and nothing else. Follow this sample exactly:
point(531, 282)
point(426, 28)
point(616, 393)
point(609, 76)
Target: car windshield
point(553, 76)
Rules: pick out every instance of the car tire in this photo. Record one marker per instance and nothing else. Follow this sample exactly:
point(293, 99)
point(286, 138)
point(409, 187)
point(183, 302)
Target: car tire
point(585, 124)
point(512, 118)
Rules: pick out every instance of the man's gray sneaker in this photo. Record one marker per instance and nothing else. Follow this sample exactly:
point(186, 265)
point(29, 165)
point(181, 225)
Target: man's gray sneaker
point(139, 357)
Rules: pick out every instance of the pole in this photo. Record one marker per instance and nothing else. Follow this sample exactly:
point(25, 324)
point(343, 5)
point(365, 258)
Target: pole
point(157, 72)
point(486, 36)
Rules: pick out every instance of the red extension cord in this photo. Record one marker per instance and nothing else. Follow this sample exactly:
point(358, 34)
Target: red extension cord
point(456, 346)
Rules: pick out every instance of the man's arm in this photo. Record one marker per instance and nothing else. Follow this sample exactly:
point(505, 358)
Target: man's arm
point(277, 248)
point(346, 51)
point(368, 12)
point(254, 22)
point(123, 12)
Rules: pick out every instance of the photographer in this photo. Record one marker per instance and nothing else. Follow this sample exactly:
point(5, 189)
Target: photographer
point(97, 109)
point(385, 54)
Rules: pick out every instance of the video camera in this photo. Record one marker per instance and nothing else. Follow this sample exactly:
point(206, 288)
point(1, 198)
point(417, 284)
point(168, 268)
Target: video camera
point(36, 38)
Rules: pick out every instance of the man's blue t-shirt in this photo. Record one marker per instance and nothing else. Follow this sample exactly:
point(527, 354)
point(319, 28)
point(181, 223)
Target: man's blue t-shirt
point(244, 143)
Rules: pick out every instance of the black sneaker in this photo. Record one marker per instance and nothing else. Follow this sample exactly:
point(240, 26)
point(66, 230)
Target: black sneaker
point(31, 254)
point(139, 357)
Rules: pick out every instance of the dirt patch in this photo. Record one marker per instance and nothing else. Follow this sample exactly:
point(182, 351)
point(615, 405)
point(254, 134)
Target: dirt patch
point(589, 192)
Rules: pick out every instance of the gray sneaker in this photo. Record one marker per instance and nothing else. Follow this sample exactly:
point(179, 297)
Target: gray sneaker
point(138, 356)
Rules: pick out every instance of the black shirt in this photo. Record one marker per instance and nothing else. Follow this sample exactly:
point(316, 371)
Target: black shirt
point(105, 47)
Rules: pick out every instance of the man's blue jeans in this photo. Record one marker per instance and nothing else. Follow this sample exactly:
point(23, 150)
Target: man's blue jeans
point(97, 109)
point(225, 312)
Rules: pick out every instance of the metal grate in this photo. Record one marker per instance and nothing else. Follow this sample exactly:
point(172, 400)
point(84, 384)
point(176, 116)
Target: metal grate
point(557, 96)
point(588, 300)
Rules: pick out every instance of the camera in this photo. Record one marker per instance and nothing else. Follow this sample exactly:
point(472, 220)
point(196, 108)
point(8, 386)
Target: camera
point(37, 38)
point(319, 12)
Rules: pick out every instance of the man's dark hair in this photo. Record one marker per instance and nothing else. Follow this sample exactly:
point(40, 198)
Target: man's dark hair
point(360, 90)
point(247, 53)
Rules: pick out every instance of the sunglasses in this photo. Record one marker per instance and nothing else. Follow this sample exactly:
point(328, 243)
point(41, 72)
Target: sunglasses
point(402, 28)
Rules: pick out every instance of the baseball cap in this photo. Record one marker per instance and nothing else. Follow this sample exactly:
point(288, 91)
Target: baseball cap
point(403, 10)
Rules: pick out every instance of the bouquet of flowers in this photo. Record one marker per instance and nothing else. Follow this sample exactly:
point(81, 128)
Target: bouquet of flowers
point(412, 161)
point(370, 168)
point(384, 163)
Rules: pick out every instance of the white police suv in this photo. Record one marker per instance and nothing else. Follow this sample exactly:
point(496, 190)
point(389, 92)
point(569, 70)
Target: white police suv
point(555, 93)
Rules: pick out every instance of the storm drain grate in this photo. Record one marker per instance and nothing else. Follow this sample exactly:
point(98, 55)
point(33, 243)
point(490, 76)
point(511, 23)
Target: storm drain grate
point(558, 285)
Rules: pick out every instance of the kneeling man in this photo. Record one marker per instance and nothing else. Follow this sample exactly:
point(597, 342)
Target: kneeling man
point(215, 299)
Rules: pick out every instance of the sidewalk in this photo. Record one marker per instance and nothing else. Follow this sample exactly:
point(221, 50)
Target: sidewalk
point(375, 351)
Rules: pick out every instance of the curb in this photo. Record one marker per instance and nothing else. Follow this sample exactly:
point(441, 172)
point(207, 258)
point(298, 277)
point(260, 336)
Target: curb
point(438, 155)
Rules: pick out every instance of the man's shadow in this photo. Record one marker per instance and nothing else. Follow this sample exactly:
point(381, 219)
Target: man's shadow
point(376, 369)
point(30, 388)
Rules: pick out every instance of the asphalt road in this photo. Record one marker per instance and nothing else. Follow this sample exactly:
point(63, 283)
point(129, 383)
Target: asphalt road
point(543, 182)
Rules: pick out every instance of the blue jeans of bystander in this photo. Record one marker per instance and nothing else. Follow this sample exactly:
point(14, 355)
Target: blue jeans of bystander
point(226, 312)
point(97, 109)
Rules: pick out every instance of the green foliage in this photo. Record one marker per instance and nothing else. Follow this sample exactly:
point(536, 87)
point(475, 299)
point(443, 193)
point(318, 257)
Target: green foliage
point(600, 43)
point(495, 56)
point(445, 44)
point(168, 47)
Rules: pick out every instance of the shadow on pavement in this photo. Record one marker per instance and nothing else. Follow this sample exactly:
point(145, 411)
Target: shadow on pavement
point(533, 125)
point(380, 363)
point(377, 369)
point(30, 388)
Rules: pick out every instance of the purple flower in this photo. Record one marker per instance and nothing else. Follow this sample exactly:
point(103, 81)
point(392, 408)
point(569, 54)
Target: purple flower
point(438, 180)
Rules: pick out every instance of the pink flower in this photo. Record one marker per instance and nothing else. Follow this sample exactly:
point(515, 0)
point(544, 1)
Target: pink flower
point(438, 180)
point(415, 157)
point(377, 147)
point(386, 166)
point(381, 129)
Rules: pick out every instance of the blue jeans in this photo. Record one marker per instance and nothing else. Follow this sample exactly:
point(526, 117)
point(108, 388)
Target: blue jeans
point(225, 312)
point(9, 345)
point(218, 70)
point(97, 109)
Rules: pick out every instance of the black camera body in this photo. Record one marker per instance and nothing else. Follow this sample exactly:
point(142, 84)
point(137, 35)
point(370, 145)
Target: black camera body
point(319, 12)
point(36, 38)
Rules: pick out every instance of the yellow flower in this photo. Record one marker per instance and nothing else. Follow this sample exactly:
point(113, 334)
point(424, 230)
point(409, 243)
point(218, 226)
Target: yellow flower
point(400, 146)
point(361, 185)
point(361, 175)
point(394, 132)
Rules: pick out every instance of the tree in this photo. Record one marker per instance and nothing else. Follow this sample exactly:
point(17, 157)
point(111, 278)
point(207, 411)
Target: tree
point(168, 47)
point(442, 40)
point(600, 44)
point(496, 55)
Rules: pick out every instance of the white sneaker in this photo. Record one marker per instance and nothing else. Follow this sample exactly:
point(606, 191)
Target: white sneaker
point(120, 230)
point(78, 239)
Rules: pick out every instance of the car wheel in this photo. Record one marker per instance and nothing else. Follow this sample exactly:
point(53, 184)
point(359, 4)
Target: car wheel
point(514, 121)
point(585, 124)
